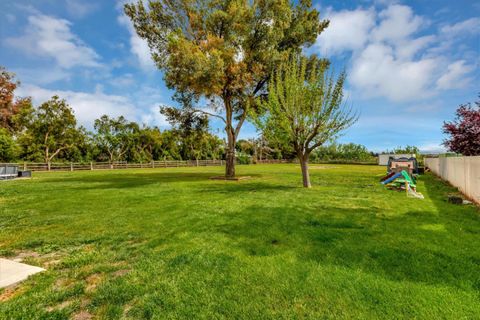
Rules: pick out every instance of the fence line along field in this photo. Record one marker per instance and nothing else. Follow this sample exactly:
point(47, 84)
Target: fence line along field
point(79, 166)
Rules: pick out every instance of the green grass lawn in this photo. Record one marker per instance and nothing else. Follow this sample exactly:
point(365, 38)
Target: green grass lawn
point(172, 244)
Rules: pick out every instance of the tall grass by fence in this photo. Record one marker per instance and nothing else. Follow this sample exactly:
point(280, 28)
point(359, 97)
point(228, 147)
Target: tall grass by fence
point(461, 172)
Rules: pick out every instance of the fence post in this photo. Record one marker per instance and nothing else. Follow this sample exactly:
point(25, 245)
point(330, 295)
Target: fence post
point(24, 166)
point(197, 162)
point(221, 162)
point(71, 166)
point(153, 164)
point(91, 165)
point(48, 166)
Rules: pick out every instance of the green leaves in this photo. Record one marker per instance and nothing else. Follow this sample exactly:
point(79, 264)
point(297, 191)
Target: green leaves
point(304, 107)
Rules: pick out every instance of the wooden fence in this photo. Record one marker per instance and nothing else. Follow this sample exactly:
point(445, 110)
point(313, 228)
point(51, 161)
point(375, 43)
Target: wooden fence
point(77, 166)
point(74, 166)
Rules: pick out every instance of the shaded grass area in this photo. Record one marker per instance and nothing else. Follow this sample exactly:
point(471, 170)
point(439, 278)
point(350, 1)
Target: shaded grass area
point(172, 244)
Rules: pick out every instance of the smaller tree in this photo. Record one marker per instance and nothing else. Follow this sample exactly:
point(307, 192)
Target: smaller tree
point(464, 131)
point(304, 107)
point(52, 129)
point(148, 142)
point(8, 147)
point(114, 136)
point(12, 110)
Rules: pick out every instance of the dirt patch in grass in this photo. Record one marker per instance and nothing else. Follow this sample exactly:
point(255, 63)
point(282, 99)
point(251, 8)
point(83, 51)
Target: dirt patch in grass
point(93, 281)
point(120, 273)
point(60, 306)
point(24, 255)
point(82, 315)
point(11, 292)
point(63, 283)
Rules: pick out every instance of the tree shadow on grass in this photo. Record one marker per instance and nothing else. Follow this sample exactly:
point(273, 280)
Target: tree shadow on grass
point(396, 248)
point(133, 180)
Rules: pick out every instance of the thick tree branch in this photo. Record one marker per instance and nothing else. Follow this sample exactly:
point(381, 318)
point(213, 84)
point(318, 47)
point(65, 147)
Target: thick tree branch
point(240, 122)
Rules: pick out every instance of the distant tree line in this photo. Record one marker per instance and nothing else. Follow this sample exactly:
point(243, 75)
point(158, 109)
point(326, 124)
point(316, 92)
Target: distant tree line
point(50, 132)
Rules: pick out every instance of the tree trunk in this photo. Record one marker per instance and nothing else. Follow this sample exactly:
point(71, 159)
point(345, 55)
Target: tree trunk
point(230, 157)
point(304, 165)
point(231, 137)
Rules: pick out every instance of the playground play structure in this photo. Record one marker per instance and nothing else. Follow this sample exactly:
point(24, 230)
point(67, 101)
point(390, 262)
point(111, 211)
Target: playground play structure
point(401, 175)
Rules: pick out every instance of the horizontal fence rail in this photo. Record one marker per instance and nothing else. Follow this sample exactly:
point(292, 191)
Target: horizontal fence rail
point(77, 166)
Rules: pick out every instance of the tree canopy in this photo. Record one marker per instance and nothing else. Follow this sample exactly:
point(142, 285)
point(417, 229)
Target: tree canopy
point(304, 108)
point(11, 109)
point(224, 50)
point(464, 131)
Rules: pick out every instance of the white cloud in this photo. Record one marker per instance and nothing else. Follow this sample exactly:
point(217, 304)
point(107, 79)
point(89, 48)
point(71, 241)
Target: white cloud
point(379, 73)
point(432, 147)
point(388, 59)
point(455, 76)
point(348, 30)
point(125, 80)
point(42, 76)
point(46, 36)
point(138, 47)
point(87, 106)
point(79, 8)
point(466, 27)
point(408, 48)
point(397, 22)
point(154, 118)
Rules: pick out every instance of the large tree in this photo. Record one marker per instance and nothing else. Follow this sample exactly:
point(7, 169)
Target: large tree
point(224, 50)
point(464, 131)
point(52, 128)
point(304, 108)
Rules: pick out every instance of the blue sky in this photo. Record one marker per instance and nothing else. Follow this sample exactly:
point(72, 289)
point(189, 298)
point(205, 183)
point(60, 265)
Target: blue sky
point(409, 63)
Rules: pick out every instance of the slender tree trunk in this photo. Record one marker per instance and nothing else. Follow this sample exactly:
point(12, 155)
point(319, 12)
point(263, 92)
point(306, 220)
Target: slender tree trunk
point(230, 156)
point(304, 165)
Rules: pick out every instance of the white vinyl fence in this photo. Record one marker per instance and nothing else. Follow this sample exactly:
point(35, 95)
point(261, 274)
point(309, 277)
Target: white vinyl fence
point(461, 172)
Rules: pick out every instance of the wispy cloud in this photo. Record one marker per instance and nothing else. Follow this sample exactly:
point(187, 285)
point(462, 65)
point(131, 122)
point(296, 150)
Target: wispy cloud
point(80, 8)
point(47, 36)
point(138, 46)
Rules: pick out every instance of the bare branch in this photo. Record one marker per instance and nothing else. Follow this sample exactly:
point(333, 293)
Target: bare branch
point(210, 114)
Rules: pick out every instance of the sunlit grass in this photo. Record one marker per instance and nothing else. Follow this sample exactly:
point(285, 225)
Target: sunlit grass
point(170, 243)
